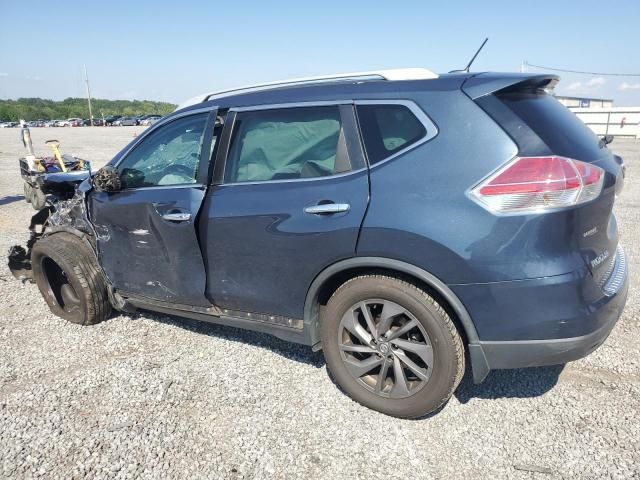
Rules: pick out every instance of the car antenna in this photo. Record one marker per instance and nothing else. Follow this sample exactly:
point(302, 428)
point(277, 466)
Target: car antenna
point(466, 69)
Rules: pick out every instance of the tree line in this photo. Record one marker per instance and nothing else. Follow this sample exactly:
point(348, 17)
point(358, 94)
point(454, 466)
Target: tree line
point(42, 109)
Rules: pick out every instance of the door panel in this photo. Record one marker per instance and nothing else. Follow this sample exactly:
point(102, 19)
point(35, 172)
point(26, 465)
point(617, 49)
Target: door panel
point(146, 254)
point(263, 250)
point(297, 206)
point(146, 233)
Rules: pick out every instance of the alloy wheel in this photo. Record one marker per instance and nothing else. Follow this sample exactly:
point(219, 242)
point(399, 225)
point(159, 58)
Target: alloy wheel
point(385, 348)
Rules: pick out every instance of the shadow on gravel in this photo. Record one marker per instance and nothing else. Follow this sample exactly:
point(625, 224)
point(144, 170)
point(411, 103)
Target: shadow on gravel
point(517, 383)
point(10, 199)
point(288, 350)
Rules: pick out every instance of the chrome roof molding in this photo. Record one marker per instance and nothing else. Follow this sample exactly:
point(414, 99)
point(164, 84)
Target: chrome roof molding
point(390, 75)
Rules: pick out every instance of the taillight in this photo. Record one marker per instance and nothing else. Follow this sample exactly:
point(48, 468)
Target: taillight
point(539, 184)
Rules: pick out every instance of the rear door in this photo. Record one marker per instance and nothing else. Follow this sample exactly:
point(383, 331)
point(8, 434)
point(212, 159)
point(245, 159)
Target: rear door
point(291, 190)
point(146, 232)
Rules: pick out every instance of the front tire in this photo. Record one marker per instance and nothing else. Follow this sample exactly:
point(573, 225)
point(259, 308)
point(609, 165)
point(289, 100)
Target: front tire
point(38, 199)
point(70, 279)
point(27, 192)
point(391, 346)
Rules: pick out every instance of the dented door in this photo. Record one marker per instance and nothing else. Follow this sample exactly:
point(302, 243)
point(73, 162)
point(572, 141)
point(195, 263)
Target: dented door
point(146, 233)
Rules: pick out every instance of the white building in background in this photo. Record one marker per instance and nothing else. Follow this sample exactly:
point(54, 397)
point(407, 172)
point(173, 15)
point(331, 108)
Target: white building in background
point(585, 102)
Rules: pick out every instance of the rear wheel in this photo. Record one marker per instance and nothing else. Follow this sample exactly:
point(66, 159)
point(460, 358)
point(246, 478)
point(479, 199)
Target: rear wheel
point(391, 347)
point(69, 279)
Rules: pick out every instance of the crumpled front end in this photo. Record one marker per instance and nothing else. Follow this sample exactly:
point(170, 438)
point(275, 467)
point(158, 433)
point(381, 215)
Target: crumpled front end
point(60, 215)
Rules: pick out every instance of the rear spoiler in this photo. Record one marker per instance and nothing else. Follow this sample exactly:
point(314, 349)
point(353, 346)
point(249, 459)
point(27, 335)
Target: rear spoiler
point(488, 83)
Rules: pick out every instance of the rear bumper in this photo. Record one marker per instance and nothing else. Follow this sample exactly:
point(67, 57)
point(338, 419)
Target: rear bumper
point(487, 355)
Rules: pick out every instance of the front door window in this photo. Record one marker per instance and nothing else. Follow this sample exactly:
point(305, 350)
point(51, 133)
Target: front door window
point(168, 156)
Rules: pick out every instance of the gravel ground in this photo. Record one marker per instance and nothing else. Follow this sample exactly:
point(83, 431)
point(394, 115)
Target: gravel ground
point(156, 396)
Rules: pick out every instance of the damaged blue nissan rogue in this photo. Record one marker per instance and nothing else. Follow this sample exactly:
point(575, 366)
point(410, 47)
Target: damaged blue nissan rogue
point(402, 222)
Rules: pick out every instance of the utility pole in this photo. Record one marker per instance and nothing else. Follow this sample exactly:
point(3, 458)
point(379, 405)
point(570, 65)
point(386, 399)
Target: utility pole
point(86, 79)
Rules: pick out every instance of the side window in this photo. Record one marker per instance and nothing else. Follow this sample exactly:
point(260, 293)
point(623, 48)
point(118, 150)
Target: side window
point(168, 156)
point(288, 143)
point(387, 129)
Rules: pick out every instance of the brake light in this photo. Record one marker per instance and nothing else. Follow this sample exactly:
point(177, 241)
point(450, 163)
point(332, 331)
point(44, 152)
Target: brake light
point(539, 184)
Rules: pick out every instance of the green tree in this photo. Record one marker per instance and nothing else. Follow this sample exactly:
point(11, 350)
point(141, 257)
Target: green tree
point(38, 108)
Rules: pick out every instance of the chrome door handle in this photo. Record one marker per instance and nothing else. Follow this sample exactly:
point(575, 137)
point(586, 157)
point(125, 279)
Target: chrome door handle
point(177, 216)
point(328, 208)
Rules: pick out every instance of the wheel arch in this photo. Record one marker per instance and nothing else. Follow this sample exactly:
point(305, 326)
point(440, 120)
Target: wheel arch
point(327, 281)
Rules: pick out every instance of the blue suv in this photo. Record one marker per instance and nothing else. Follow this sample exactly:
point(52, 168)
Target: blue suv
point(401, 221)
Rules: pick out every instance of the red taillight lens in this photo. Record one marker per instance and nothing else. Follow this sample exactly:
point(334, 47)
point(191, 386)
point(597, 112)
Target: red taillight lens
point(538, 184)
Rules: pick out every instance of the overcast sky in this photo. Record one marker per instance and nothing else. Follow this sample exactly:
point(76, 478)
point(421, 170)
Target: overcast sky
point(170, 50)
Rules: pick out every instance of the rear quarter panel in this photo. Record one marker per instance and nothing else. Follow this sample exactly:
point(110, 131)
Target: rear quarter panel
point(420, 213)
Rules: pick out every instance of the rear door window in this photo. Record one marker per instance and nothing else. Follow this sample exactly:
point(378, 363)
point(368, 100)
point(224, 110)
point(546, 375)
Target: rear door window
point(287, 144)
point(388, 129)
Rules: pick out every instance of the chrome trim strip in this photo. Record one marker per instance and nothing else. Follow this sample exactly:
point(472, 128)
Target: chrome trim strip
point(277, 320)
point(429, 125)
point(290, 180)
point(154, 187)
point(328, 208)
point(619, 275)
point(277, 106)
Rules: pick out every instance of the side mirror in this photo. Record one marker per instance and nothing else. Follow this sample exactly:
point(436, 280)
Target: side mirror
point(606, 140)
point(107, 179)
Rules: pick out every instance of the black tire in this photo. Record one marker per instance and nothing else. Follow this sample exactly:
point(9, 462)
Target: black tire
point(442, 338)
point(69, 279)
point(38, 199)
point(27, 192)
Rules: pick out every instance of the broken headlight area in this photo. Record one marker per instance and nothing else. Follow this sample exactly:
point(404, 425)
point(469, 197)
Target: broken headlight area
point(61, 215)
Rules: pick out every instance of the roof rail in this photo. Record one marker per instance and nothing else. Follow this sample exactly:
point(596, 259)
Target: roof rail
point(393, 74)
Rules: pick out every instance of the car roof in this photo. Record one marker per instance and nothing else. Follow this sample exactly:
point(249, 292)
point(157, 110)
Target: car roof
point(338, 90)
point(479, 83)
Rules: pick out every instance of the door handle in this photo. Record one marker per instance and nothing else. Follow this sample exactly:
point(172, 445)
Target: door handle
point(328, 208)
point(177, 216)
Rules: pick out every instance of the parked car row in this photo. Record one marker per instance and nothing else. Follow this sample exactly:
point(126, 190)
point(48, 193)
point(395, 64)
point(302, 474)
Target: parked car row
point(110, 120)
point(120, 121)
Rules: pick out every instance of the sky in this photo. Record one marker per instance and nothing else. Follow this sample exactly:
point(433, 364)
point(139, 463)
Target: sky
point(171, 50)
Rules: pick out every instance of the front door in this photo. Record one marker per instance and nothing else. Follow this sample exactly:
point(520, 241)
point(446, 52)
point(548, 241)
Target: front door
point(146, 232)
point(291, 192)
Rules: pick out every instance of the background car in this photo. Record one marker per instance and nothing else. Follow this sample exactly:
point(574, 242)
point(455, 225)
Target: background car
point(111, 119)
point(76, 122)
point(128, 122)
point(150, 119)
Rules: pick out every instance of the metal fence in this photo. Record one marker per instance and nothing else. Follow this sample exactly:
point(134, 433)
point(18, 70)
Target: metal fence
point(617, 121)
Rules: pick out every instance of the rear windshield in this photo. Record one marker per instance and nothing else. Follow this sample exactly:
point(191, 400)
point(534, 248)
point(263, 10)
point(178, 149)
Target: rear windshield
point(563, 132)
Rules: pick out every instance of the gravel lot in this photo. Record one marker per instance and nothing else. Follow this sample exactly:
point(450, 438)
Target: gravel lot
point(156, 396)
